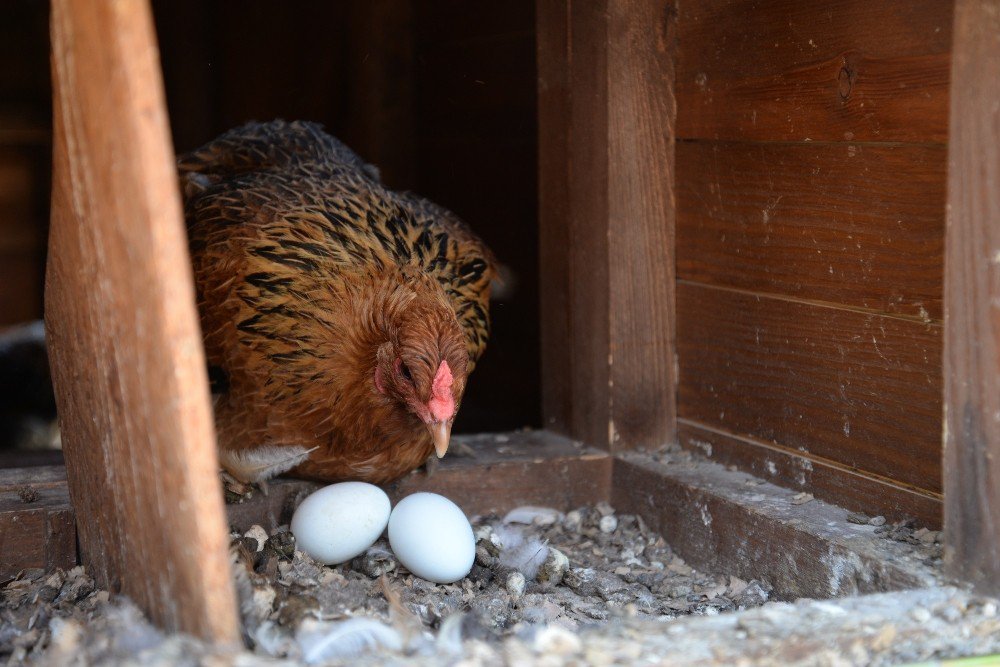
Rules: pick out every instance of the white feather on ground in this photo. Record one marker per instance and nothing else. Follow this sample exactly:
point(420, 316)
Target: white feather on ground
point(519, 550)
point(255, 465)
point(320, 640)
point(531, 515)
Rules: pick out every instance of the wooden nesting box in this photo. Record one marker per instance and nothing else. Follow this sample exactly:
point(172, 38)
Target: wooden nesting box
point(761, 236)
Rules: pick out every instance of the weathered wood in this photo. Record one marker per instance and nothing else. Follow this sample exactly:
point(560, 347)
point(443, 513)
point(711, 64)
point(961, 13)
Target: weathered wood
point(719, 524)
point(785, 70)
point(618, 159)
point(504, 471)
point(855, 224)
point(36, 521)
point(123, 337)
point(552, 26)
point(972, 303)
point(860, 389)
point(825, 479)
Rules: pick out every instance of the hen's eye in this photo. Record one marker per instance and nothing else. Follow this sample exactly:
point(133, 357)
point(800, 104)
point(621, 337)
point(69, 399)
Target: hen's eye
point(406, 372)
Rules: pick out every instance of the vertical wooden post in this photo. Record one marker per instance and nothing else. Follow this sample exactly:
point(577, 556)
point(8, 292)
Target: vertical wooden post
point(972, 301)
point(606, 131)
point(125, 347)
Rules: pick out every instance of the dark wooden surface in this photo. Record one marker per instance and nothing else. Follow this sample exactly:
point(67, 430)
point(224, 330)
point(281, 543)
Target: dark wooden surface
point(123, 338)
point(37, 527)
point(824, 478)
point(854, 224)
point(784, 70)
point(553, 212)
point(860, 389)
point(610, 213)
point(972, 313)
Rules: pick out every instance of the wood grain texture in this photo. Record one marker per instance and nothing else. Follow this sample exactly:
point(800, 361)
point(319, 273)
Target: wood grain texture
point(505, 471)
point(589, 273)
point(552, 26)
point(854, 224)
point(35, 531)
point(859, 389)
point(784, 70)
point(972, 306)
point(826, 480)
point(124, 345)
point(618, 214)
point(717, 525)
point(641, 114)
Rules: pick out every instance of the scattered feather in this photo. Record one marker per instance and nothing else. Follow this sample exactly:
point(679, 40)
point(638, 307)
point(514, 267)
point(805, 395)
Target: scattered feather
point(449, 639)
point(255, 465)
point(320, 641)
point(531, 515)
point(522, 552)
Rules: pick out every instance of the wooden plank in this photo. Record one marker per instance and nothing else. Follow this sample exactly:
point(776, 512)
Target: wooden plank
point(589, 272)
point(823, 478)
point(124, 344)
point(505, 471)
point(785, 70)
point(641, 114)
point(618, 210)
point(972, 306)
point(855, 224)
point(860, 389)
point(552, 27)
point(717, 523)
point(37, 529)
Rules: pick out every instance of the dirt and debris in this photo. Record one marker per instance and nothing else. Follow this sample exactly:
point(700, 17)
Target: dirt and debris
point(587, 587)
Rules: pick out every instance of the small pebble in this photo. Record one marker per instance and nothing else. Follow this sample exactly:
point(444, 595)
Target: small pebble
point(876, 521)
point(556, 640)
point(920, 615)
point(858, 518)
point(573, 521)
point(608, 523)
point(515, 585)
point(554, 568)
point(258, 533)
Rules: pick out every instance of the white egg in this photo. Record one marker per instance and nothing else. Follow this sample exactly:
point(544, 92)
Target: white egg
point(340, 521)
point(431, 536)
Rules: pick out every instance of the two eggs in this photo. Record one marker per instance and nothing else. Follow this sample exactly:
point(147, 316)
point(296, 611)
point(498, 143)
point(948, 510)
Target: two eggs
point(428, 533)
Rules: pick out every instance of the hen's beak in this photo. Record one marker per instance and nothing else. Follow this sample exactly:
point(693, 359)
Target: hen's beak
point(441, 434)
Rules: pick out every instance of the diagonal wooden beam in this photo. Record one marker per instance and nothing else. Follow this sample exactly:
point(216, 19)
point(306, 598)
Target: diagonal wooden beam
point(124, 342)
point(972, 301)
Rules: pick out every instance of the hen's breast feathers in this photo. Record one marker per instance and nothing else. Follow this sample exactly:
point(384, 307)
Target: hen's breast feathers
point(281, 216)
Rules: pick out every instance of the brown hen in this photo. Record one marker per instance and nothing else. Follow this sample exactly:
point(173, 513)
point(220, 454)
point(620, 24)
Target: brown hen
point(341, 319)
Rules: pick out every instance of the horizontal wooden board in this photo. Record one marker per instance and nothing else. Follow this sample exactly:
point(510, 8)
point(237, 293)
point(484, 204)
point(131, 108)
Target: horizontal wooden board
point(825, 480)
point(717, 523)
point(496, 473)
point(40, 532)
point(860, 389)
point(855, 224)
point(792, 70)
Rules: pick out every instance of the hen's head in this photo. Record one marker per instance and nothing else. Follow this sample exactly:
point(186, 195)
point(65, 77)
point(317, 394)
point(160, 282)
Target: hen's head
point(423, 367)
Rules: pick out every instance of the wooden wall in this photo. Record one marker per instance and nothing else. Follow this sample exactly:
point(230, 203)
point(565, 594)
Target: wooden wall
point(811, 164)
point(25, 163)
